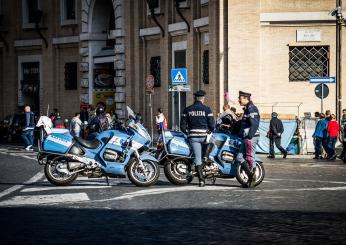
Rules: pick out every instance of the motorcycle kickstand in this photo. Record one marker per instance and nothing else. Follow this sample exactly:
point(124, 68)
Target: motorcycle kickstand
point(107, 180)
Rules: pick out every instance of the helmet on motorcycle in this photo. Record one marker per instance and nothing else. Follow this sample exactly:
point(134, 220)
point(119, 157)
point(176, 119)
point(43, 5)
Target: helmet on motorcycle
point(99, 110)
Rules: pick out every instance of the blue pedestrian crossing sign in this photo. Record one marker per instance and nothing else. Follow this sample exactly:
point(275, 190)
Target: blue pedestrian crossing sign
point(179, 76)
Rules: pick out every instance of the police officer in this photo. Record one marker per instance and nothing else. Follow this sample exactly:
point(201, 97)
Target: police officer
point(249, 132)
point(197, 121)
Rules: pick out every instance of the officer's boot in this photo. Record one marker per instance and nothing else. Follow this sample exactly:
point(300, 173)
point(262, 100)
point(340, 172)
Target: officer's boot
point(200, 175)
point(208, 150)
point(249, 172)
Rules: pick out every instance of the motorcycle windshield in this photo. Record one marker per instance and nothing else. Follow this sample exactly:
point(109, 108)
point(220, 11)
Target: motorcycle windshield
point(130, 113)
point(139, 129)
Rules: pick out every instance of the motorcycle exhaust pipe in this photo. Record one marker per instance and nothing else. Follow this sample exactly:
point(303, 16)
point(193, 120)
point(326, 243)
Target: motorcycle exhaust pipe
point(74, 165)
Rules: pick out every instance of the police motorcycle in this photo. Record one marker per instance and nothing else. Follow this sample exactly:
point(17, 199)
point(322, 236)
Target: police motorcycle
point(113, 153)
point(175, 155)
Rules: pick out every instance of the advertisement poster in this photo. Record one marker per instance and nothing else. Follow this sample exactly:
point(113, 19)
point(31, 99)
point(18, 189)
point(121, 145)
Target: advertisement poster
point(104, 88)
point(105, 99)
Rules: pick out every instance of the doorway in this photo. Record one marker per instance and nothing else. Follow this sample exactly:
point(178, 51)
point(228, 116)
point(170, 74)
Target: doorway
point(29, 84)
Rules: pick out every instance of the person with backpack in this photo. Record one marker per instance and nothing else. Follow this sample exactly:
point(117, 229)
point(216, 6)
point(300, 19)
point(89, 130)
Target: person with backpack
point(319, 135)
point(98, 124)
point(276, 128)
point(161, 121)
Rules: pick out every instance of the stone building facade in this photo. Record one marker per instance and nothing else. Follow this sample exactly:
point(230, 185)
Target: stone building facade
point(274, 46)
point(102, 51)
point(34, 59)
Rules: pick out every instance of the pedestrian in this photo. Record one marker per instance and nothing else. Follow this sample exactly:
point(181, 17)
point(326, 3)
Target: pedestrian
point(58, 122)
point(249, 133)
point(53, 115)
point(343, 134)
point(161, 121)
point(28, 126)
point(110, 122)
point(84, 115)
point(197, 122)
point(276, 128)
point(333, 133)
point(76, 125)
point(227, 118)
point(343, 154)
point(328, 114)
point(98, 123)
point(317, 114)
point(319, 134)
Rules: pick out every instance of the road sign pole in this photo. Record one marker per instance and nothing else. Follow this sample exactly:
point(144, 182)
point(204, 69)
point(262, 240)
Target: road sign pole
point(152, 120)
point(179, 109)
point(173, 110)
point(339, 23)
point(322, 85)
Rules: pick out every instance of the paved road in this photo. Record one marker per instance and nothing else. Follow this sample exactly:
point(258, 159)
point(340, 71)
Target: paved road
point(301, 201)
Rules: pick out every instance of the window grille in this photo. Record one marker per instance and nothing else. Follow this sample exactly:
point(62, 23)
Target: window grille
point(308, 61)
point(71, 76)
point(205, 76)
point(155, 70)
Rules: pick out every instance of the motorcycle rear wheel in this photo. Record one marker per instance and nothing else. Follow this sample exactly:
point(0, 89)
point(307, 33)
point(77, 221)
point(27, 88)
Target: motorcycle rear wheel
point(138, 177)
point(178, 175)
point(243, 178)
point(56, 177)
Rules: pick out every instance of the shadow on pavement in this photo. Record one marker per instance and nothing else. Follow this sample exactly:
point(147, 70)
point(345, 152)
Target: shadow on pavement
point(194, 226)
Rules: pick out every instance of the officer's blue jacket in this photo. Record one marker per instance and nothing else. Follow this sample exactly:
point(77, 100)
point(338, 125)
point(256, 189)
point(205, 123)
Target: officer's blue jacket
point(197, 120)
point(250, 121)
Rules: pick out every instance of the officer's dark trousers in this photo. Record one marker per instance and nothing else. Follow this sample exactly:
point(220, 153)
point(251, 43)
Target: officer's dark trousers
point(247, 152)
point(277, 141)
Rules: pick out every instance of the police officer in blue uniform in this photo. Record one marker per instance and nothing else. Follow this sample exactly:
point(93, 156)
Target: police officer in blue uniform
point(250, 134)
point(197, 121)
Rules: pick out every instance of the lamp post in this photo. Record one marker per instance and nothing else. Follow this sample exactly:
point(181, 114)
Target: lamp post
point(339, 23)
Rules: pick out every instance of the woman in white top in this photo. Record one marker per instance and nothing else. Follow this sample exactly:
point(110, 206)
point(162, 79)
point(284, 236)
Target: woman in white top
point(76, 125)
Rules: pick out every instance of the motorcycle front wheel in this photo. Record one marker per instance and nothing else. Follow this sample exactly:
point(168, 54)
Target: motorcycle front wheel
point(243, 178)
point(143, 177)
point(57, 172)
point(178, 172)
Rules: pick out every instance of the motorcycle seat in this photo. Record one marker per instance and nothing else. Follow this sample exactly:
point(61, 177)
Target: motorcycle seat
point(91, 144)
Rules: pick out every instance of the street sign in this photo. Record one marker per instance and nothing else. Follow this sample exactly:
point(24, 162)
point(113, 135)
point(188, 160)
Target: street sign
point(322, 91)
point(322, 79)
point(149, 84)
point(180, 88)
point(179, 76)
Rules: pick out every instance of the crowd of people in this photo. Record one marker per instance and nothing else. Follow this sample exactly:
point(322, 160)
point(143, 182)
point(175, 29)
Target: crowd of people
point(326, 135)
point(87, 124)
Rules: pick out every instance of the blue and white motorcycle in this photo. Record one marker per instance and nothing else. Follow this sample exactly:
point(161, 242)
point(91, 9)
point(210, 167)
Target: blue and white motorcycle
point(113, 153)
point(175, 154)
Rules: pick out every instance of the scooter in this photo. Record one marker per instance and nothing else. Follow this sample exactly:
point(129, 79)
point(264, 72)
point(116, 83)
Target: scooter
point(113, 153)
point(175, 155)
